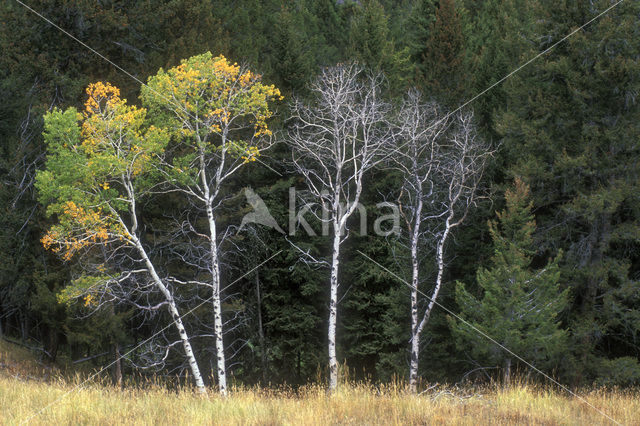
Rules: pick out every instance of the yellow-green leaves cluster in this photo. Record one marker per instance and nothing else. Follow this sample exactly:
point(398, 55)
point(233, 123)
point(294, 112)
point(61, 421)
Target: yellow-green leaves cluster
point(209, 102)
point(95, 160)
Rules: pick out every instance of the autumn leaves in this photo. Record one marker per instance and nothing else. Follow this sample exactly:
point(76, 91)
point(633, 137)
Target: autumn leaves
point(98, 157)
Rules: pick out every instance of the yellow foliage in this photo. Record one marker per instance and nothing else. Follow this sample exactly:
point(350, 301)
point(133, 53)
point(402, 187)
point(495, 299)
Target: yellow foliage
point(89, 300)
point(251, 154)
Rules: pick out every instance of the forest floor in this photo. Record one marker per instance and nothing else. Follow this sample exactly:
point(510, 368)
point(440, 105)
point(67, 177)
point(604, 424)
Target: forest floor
point(31, 394)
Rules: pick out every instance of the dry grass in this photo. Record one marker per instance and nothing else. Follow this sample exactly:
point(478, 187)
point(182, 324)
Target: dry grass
point(20, 400)
point(59, 402)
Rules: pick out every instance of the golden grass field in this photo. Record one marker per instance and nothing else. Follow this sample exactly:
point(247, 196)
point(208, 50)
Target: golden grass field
point(33, 400)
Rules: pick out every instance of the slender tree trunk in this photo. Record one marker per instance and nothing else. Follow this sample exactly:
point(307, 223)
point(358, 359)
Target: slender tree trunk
point(417, 328)
point(263, 348)
point(50, 342)
point(507, 372)
point(24, 326)
point(116, 372)
point(598, 239)
point(217, 303)
point(215, 271)
point(441, 265)
point(415, 332)
point(333, 310)
point(117, 365)
point(175, 315)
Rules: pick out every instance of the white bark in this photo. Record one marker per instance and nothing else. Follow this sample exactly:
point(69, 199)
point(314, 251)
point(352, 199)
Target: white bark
point(415, 280)
point(151, 269)
point(219, 122)
point(217, 305)
point(335, 141)
point(175, 315)
point(215, 273)
point(333, 312)
point(442, 167)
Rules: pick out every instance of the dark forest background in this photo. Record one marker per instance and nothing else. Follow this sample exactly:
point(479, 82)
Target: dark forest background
point(568, 125)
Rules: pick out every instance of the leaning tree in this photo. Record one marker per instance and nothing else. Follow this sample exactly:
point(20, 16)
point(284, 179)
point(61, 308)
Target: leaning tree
point(99, 166)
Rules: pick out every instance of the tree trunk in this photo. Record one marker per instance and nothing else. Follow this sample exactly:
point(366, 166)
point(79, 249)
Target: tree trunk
point(116, 372)
point(415, 332)
point(175, 315)
point(441, 265)
point(598, 239)
point(263, 348)
point(507, 372)
point(50, 343)
point(333, 310)
point(24, 326)
point(217, 303)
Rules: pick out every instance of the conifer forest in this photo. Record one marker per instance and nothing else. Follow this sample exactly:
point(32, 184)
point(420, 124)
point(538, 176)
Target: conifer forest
point(222, 195)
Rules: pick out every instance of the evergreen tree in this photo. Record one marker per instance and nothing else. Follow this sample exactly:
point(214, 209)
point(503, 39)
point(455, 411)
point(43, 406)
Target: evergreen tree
point(371, 45)
point(293, 61)
point(332, 27)
point(496, 46)
point(423, 16)
point(440, 67)
point(519, 305)
point(570, 129)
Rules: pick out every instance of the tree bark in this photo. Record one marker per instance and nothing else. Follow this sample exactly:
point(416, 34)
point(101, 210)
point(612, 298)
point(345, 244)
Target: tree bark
point(217, 303)
point(175, 315)
point(116, 372)
point(263, 349)
point(415, 332)
point(507, 372)
point(333, 310)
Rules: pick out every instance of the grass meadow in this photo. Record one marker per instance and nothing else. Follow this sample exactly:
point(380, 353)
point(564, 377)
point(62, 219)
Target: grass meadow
point(31, 394)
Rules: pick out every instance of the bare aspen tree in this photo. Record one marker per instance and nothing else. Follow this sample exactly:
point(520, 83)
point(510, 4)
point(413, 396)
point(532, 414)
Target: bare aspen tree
point(335, 139)
point(217, 113)
point(95, 175)
point(442, 161)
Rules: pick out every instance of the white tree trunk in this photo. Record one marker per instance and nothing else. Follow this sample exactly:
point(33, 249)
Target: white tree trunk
point(175, 315)
point(333, 309)
point(415, 334)
point(440, 262)
point(217, 303)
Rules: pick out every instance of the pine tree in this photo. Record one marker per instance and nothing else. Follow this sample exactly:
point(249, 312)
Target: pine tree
point(570, 129)
point(519, 305)
point(441, 66)
point(496, 47)
point(371, 45)
point(293, 63)
point(423, 16)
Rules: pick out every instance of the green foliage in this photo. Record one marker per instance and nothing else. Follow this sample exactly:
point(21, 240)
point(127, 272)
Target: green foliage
point(570, 130)
point(518, 305)
point(440, 64)
point(624, 371)
point(293, 52)
point(92, 170)
point(567, 123)
point(496, 33)
point(210, 105)
point(371, 44)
